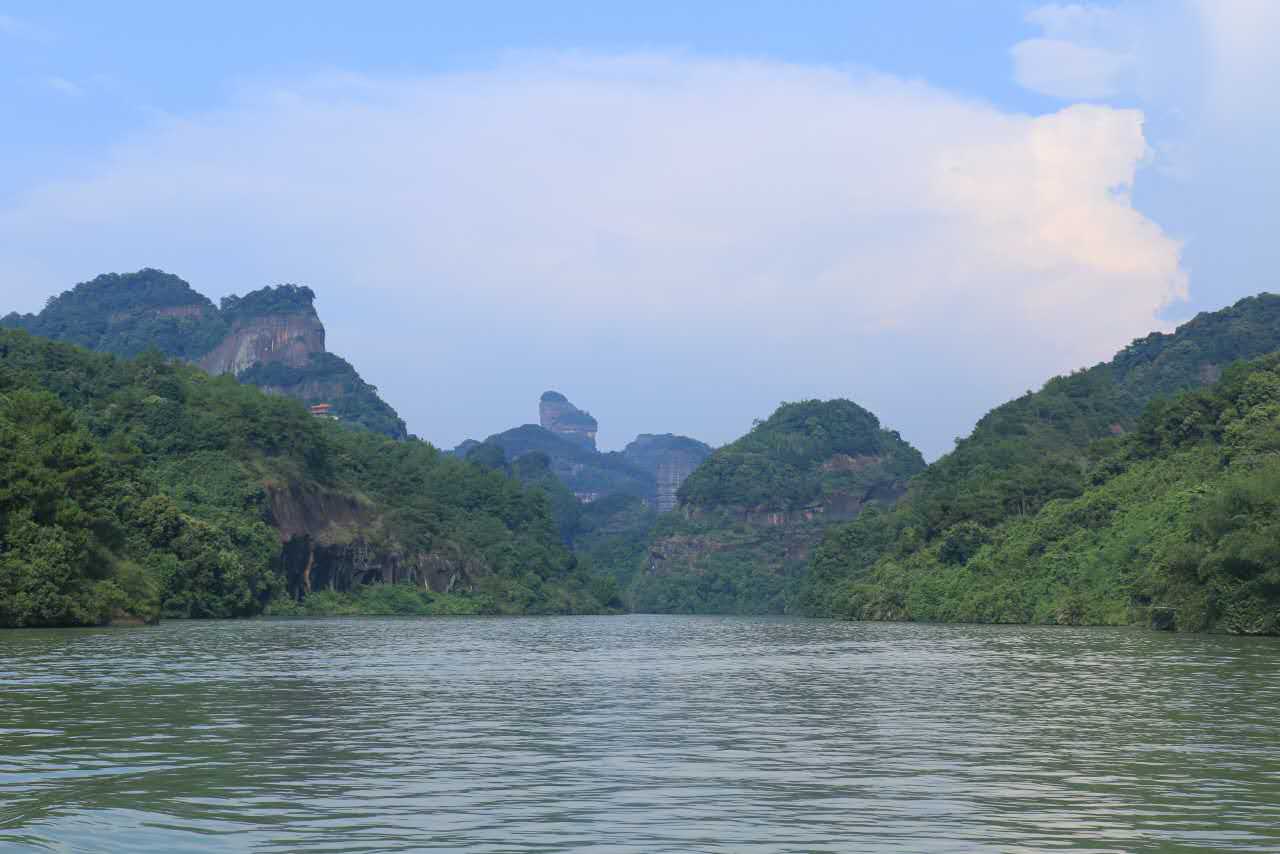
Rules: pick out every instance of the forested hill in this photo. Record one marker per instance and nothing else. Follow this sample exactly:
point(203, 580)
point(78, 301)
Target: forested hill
point(271, 338)
point(136, 488)
point(750, 513)
point(803, 455)
point(1037, 453)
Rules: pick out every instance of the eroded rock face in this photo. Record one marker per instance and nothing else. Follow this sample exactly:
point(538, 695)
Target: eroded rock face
point(670, 459)
point(557, 414)
point(334, 541)
point(297, 510)
point(311, 565)
point(285, 338)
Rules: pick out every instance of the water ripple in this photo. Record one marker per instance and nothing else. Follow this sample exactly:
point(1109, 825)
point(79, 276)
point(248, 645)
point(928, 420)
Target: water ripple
point(640, 734)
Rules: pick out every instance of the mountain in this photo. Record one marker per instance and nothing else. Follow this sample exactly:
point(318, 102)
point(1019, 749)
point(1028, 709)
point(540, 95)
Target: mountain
point(650, 468)
point(1177, 527)
point(136, 488)
point(557, 414)
point(669, 460)
point(1025, 462)
point(587, 473)
point(271, 338)
point(751, 513)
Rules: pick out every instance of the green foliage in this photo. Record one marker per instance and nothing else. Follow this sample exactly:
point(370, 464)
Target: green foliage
point(128, 315)
point(754, 510)
point(330, 379)
point(612, 534)
point(281, 299)
point(1180, 517)
point(135, 488)
point(56, 520)
point(792, 459)
point(1055, 444)
point(491, 455)
point(718, 565)
point(150, 310)
point(380, 600)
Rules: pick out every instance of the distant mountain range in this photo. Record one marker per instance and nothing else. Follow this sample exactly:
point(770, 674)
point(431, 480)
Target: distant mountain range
point(651, 468)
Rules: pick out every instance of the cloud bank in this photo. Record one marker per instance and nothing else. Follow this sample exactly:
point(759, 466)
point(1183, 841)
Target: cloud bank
point(678, 244)
point(1207, 76)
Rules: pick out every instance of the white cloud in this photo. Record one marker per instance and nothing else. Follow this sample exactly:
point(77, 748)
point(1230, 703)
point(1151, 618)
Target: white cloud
point(1207, 77)
point(1086, 52)
point(1066, 69)
point(64, 86)
point(652, 227)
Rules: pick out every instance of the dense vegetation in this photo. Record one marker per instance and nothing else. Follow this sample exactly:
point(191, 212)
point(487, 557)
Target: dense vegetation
point(720, 564)
point(1178, 524)
point(129, 315)
point(791, 459)
point(133, 313)
point(1026, 460)
point(281, 299)
point(751, 512)
point(330, 379)
point(1142, 489)
point(649, 451)
point(141, 487)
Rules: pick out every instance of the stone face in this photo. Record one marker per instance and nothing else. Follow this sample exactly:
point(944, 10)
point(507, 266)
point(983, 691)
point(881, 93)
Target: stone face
point(285, 338)
point(557, 414)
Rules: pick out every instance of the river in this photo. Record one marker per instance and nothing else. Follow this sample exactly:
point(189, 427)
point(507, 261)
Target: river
point(637, 733)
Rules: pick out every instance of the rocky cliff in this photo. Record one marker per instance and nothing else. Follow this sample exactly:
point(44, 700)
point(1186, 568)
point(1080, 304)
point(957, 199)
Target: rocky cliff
point(331, 540)
point(271, 338)
point(670, 459)
point(289, 339)
point(557, 414)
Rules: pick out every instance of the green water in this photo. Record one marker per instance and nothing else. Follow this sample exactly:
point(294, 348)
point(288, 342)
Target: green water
point(636, 734)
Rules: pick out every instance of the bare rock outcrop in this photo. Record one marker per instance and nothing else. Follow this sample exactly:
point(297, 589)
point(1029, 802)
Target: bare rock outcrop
point(285, 338)
point(557, 414)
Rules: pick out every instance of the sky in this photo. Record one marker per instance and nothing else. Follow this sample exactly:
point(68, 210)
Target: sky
point(680, 215)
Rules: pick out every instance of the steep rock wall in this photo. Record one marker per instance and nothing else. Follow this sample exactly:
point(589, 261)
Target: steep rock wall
point(334, 541)
point(557, 414)
point(286, 338)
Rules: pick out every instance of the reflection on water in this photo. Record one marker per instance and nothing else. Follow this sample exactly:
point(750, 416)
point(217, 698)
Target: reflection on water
point(636, 734)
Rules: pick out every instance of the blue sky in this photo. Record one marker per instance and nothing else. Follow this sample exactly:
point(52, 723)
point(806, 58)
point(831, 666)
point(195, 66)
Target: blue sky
point(79, 76)
point(679, 214)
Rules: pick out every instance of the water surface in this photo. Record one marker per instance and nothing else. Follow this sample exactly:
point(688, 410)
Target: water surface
point(636, 734)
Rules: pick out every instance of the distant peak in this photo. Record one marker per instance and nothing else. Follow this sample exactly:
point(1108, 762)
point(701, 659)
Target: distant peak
point(557, 414)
